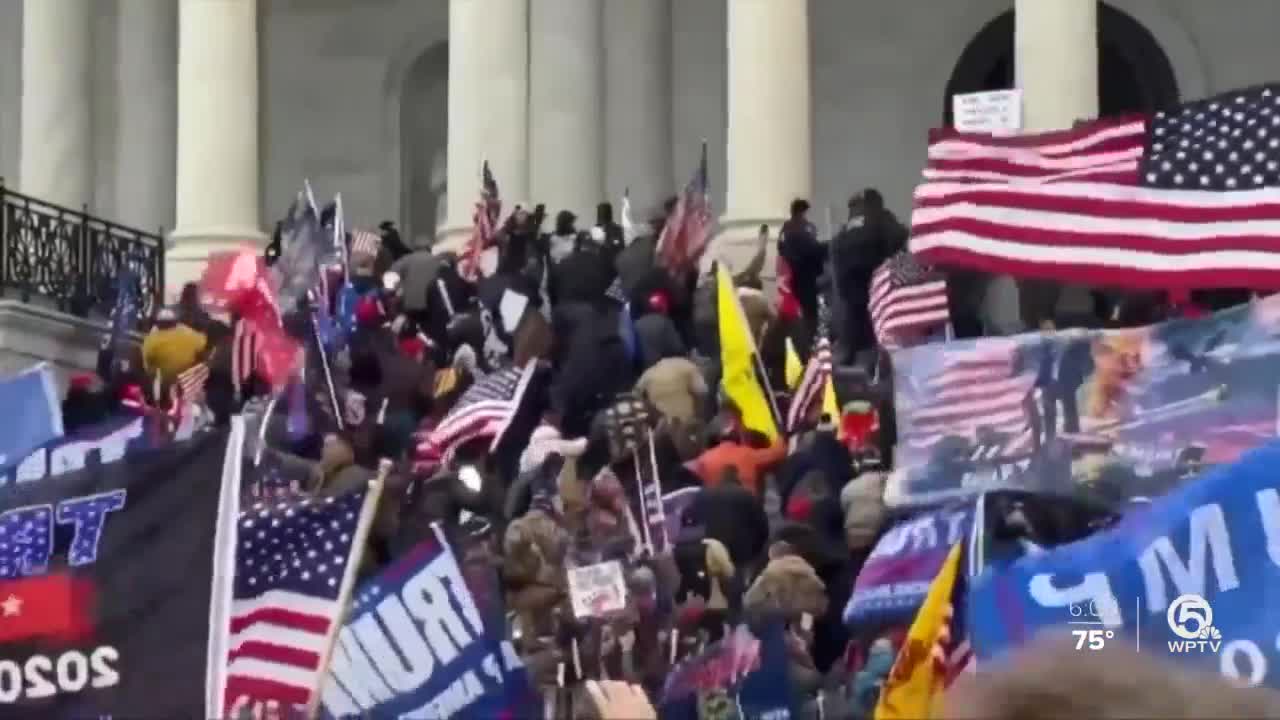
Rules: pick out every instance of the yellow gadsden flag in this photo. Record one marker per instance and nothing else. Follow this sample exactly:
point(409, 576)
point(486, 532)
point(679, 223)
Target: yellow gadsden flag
point(794, 368)
point(742, 374)
point(915, 684)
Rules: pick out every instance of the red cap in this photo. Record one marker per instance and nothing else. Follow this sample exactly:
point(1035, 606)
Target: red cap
point(368, 312)
point(412, 347)
point(83, 381)
point(658, 302)
point(132, 394)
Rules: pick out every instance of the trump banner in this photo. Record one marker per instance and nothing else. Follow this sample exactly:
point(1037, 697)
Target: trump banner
point(1113, 415)
point(417, 645)
point(1192, 577)
point(107, 584)
point(101, 444)
point(896, 576)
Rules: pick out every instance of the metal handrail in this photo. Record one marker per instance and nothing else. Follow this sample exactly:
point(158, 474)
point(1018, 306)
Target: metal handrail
point(70, 258)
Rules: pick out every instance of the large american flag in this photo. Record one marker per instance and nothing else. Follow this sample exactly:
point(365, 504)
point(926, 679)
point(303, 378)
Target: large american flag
point(291, 559)
point(1185, 198)
point(484, 230)
point(979, 394)
point(908, 301)
point(484, 410)
point(685, 234)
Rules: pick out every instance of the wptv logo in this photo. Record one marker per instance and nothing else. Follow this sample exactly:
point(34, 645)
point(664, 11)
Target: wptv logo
point(1191, 618)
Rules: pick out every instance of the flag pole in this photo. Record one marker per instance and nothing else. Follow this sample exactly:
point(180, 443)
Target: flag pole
point(356, 556)
point(657, 487)
point(646, 536)
point(328, 374)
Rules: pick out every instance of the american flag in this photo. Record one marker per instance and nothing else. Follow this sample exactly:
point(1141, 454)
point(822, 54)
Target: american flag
point(365, 243)
point(291, 559)
point(188, 389)
point(484, 410)
point(979, 394)
point(816, 373)
point(685, 234)
point(1185, 198)
point(484, 230)
point(907, 301)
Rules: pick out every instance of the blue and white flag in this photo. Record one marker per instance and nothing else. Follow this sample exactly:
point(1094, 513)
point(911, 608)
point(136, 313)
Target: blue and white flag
point(417, 645)
point(1194, 576)
point(33, 413)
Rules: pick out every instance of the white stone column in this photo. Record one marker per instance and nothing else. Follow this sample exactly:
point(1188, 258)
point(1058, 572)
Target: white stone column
point(488, 107)
point(566, 108)
point(147, 129)
point(1056, 67)
point(770, 157)
point(638, 103)
point(218, 202)
point(56, 161)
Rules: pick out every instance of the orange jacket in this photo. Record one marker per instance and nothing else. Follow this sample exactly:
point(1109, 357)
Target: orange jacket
point(751, 463)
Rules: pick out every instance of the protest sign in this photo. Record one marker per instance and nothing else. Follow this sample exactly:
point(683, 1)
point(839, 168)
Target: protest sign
point(1193, 577)
point(416, 645)
point(1111, 414)
point(107, 585)
point(597, 590)
point(896, 576)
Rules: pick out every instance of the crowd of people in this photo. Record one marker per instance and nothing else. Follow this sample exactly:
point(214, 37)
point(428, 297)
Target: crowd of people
point(623, 392)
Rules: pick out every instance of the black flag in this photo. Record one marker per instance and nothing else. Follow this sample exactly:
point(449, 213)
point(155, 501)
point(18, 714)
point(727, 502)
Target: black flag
point(107, 594)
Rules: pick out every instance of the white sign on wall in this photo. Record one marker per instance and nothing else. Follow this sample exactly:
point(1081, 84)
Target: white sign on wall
point(998, 112)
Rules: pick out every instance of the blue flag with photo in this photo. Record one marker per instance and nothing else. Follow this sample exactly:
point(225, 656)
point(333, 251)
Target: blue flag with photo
point(33, 413)
point(1194, 576)
point(417, 644)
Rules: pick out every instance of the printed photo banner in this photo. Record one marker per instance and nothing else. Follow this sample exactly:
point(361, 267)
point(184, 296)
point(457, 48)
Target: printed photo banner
point(417, 645)
point(1194, 578)
point(107, 588)
point(1115, 414)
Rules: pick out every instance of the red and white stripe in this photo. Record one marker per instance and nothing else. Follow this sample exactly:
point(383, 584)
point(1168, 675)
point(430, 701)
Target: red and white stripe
point(812, 384)
point(1069, 206)
point(276, 643)
point(187, 389)
point(484, 232)
point(365, 243)
point(900, 310)
point(976, 388)
point(245, 343)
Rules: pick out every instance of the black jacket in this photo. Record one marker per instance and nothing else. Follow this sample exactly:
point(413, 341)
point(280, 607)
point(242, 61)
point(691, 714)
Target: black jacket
point(806, 257)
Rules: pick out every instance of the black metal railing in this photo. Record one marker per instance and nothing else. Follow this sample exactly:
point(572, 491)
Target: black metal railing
point(70, 259)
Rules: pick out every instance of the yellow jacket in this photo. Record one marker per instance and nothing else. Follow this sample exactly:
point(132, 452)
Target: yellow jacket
point(172, 350)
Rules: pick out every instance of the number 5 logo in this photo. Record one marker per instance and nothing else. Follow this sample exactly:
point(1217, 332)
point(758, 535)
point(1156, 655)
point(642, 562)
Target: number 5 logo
point(1188, 616)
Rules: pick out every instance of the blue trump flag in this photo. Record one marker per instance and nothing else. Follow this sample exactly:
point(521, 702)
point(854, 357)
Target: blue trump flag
point(33, 413)
point(416, 644)
point(1195, 576)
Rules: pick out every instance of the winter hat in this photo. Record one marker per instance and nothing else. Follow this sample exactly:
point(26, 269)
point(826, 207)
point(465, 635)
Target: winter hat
point(546, 439)
point(788, 585)
point(83, 381)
